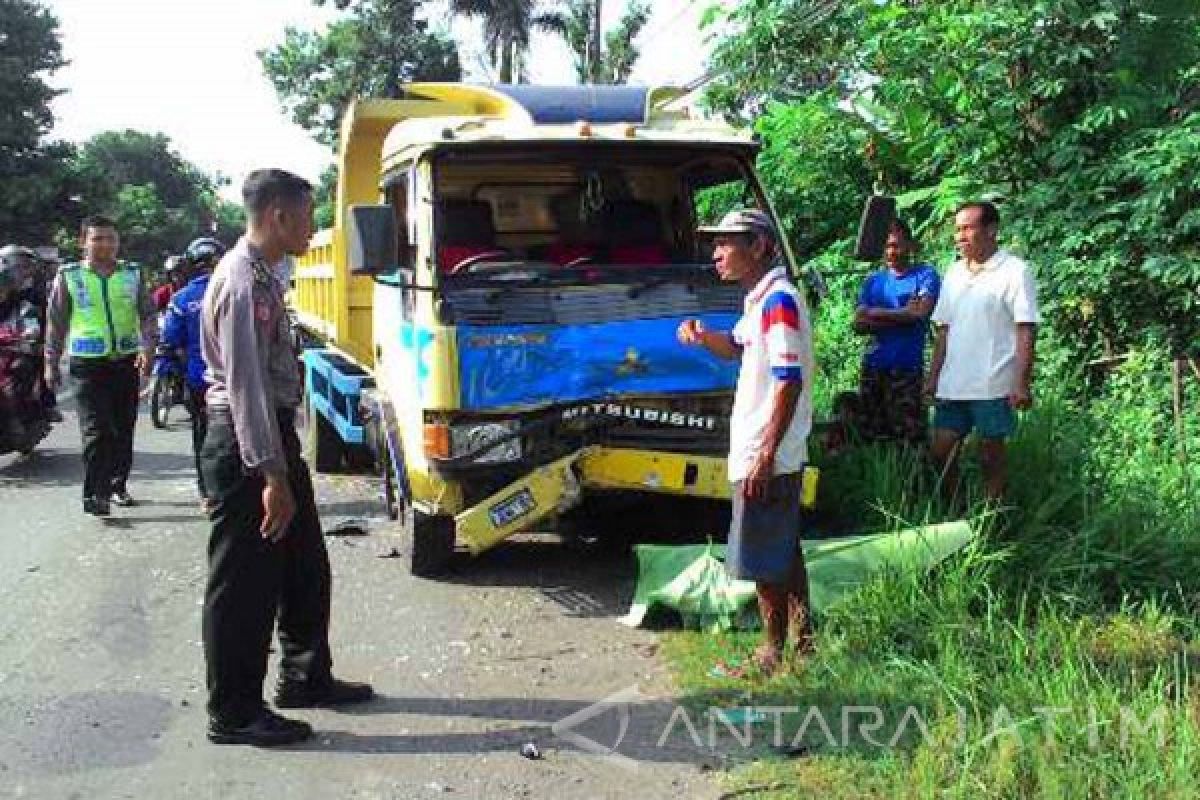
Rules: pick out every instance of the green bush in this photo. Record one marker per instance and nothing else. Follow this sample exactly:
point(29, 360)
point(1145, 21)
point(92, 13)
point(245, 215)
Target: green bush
point(1080, 120)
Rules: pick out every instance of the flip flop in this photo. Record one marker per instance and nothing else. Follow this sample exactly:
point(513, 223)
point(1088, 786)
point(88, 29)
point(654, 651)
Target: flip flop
point(762, 662)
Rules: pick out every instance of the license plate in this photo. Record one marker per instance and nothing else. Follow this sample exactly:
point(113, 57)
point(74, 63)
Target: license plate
point(512, 508)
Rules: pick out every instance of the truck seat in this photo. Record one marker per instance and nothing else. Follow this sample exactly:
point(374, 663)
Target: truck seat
point(465, 229)
point(634, 233)
point(577, 236)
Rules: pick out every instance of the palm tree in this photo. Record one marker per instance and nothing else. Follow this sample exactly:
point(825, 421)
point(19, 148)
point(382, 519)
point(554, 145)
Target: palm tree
point(620, 53)
point(577, 26)
point(507, 25)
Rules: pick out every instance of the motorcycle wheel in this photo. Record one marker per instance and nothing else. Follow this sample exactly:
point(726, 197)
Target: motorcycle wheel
point(39, 431)
point(160, 400)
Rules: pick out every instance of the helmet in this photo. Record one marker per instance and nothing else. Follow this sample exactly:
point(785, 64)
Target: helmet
point(15, 263)
point(204, 252)
point(13, 255)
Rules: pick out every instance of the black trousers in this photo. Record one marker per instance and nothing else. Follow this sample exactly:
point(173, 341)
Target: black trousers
point(199, 414)
point(251, 581)
point(108, 408)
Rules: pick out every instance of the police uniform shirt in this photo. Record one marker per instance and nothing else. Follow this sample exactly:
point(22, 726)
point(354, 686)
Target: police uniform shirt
point(250, 356)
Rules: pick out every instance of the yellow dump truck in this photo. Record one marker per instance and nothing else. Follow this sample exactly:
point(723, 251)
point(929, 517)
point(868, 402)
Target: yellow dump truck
point(498, 302)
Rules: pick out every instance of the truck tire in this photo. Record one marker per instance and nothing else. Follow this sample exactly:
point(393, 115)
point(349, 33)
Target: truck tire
point(389, 492)
point(322, 445)
point(429, 541)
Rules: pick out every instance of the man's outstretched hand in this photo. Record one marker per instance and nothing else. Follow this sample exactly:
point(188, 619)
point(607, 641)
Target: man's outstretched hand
point(691, 332)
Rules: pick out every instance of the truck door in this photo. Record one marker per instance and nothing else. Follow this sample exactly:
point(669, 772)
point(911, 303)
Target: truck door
point(397, 298)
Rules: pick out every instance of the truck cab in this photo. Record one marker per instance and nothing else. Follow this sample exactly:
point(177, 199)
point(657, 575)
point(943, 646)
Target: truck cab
point(499, 301)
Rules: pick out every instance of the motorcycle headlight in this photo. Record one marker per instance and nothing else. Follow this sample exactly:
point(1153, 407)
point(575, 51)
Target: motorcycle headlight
point(474, 437)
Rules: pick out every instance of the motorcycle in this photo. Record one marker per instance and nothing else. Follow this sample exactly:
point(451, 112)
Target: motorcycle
point(37, 427)
point(18, 368)
point(168, 387)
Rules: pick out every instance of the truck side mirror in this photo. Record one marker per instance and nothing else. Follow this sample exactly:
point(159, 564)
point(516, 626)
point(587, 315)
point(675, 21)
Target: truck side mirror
point(371, 243)
point(878, 214)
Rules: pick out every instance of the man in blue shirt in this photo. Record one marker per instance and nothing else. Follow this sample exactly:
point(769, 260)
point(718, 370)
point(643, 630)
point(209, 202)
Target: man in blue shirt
point(182, 330)
point(894, 306)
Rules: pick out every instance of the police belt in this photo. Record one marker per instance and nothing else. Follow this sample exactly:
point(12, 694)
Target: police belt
point(115, 358)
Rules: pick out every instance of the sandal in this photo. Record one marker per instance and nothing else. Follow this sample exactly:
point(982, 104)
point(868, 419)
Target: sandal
point(765, 661)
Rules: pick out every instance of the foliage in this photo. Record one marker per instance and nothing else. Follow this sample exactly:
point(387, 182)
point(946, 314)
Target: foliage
point(159, 200)
point(507, 26)
point(36, 186)
point(620, 53)
point(1081, 594)
point(576, 26)
point(1083, 133)
point(230, 219)
point(382, 45)
point(1080, 120)
point(326, 197)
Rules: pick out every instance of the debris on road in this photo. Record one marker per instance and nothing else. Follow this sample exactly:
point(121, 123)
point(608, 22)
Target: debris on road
point(530, 750)
point(348, 527)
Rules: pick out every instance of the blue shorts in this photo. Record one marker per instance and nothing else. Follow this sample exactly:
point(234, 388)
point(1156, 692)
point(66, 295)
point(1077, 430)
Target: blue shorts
point(764, 533)
point(993, 419)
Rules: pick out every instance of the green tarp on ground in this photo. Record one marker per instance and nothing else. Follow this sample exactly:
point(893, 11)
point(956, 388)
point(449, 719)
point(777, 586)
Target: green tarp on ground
point(692, 581)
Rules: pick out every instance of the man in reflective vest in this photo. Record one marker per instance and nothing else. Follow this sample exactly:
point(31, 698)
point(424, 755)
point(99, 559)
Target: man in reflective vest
point(100, 309)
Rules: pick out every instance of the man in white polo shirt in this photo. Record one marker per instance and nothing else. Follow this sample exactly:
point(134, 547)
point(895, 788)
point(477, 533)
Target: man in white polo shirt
point(769, 427)
point(986, 320)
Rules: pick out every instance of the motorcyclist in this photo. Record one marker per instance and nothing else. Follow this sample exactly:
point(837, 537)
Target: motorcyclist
point(182, 330)
point(20, 340)
point(35, 290)
point(175, 268)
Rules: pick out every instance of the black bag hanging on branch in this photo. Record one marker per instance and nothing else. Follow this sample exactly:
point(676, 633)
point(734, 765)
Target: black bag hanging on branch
point(878, 214)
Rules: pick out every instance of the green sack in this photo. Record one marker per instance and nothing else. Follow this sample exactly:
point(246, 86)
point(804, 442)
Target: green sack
point(692, 580)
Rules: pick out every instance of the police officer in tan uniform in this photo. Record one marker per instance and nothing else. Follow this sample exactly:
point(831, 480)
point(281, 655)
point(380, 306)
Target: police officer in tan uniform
point(266, 554)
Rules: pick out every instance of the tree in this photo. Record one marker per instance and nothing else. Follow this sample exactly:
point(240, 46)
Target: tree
point(32, 174)
point(507, 26)
point(620, 52)
point(376, 50)
point(1075, 117)
point(159, 200)
point(230, 220)
point(325, 197)
point(577, 26)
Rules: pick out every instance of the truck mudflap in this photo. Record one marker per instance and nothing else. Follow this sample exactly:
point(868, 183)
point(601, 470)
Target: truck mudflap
point(560, 485)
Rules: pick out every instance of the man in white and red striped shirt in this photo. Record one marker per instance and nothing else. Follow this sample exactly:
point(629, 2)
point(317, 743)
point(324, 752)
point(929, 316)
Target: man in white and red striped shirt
point(771, 420)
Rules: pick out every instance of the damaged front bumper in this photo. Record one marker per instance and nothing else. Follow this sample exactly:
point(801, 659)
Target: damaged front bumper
point(560, 485)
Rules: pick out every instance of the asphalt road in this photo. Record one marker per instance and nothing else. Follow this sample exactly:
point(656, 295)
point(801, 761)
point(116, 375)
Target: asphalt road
point(101, 670)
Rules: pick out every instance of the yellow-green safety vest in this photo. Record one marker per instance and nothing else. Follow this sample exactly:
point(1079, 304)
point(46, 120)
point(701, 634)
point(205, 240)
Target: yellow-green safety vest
point(104, 311)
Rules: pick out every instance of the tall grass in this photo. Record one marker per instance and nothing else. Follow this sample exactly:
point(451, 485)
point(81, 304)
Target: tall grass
point(1081, 595)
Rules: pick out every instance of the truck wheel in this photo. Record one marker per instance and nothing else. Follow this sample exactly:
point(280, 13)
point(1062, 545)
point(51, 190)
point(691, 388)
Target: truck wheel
point(430, 542)
point(323, 446)
point(390, 492)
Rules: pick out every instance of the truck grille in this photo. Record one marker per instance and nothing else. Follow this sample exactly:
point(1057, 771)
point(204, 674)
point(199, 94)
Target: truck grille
point(582, 306)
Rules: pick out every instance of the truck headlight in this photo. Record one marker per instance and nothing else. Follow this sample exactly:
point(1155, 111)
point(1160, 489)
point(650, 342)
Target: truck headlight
point(476, 436)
